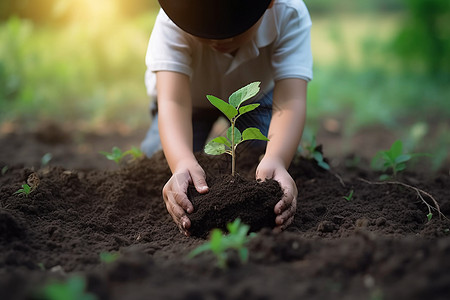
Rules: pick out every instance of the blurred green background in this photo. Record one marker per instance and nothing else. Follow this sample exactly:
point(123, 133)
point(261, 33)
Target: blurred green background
point(376, 63)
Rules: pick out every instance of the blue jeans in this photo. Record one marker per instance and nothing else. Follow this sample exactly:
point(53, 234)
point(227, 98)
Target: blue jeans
point(203, 120)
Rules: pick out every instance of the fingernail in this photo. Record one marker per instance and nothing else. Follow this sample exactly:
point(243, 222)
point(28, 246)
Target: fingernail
point(184, 224)
point(189, 210)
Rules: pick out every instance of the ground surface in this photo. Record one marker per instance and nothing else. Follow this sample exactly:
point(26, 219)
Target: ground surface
point(378, 245)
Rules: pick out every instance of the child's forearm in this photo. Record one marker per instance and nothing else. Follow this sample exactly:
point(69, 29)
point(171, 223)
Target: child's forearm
point(175, 118)
point(288, 119)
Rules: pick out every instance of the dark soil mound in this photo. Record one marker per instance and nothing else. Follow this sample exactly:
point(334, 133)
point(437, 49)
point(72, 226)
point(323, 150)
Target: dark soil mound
point(234, 197)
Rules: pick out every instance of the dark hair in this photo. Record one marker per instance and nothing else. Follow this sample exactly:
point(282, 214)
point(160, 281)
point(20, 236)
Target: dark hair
point(214, 19)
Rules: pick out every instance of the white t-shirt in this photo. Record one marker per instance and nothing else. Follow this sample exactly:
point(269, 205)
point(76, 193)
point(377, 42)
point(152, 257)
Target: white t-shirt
point(280, 49)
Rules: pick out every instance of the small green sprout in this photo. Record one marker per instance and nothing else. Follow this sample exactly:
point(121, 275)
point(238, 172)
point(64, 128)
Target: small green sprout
point(233, 110)
point(349, 197)
point(393, 159)
point(73, 288)
point(117, 155)
point(4, 170)
point(219, 243)
point(429, 216)
point(25, 190)
point(313, 152)
point(109, 257)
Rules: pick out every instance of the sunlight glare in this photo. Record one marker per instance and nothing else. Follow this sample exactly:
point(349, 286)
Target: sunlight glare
point(92, 11)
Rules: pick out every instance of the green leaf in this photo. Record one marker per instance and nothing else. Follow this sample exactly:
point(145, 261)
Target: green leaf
point(402, 158)
point(247, 108)
point(318, 157)
point(202, 248)
point(116, 154)
point(222, 140)
point(134, 152)
point(217, 241)
point(72, 289)
point(244, 94)
point(323, 165)
point(253, 134)
point(396, 149)
point(214, 148)
point(429, 216)
point(237, 135)
point(228, 110)
point(233, 227)
point(25, 190)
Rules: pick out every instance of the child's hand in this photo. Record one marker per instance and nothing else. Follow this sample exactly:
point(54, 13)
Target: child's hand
point(175, 197)
point(270, 168)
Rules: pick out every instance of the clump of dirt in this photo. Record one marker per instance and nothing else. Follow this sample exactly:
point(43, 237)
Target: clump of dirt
point(232, 197)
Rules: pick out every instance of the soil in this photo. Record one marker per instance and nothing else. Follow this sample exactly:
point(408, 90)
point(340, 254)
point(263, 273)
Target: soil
point(232, 197)
point(377, 245)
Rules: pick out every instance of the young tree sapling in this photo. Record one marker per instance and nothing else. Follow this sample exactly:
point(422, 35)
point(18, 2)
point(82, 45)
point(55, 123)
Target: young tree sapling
point(233, 110)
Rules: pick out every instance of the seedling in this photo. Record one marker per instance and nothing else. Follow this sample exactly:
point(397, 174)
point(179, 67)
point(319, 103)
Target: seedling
point(219, 243)
point(313, 152)
point(393, 160)
point(25, 190)
point(4, 170)
point(233, 110)
point(349, 197)
point(108, 257)
point(117, 155)
point(72, 289)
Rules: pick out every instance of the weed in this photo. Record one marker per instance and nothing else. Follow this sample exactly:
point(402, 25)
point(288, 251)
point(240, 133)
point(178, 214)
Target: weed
point(117, 155)
point(393, 159)
point(233, 110)
point(72, 289)
point(349, 197)
point(219, 243)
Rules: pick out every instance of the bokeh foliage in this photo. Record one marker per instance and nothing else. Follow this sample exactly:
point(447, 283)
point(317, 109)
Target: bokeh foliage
point(376, 61)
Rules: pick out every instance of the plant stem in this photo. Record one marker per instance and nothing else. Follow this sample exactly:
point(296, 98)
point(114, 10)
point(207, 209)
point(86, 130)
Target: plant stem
point(233, 150)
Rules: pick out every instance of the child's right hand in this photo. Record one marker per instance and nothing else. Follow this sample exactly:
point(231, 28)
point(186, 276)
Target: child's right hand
point(175, 192)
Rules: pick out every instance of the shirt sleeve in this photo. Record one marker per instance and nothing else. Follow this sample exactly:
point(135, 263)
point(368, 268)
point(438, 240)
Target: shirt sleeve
point(168, 50)
point(292, 57)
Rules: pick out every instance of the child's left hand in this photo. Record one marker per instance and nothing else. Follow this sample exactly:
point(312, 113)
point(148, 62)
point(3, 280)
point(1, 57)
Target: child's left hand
point(271, 168)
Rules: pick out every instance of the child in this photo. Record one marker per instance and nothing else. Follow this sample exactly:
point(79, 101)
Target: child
point(204, 47)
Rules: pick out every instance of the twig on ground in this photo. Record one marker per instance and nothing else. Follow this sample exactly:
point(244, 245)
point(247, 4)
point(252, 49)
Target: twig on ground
point(339, 178)
point(417, 190)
